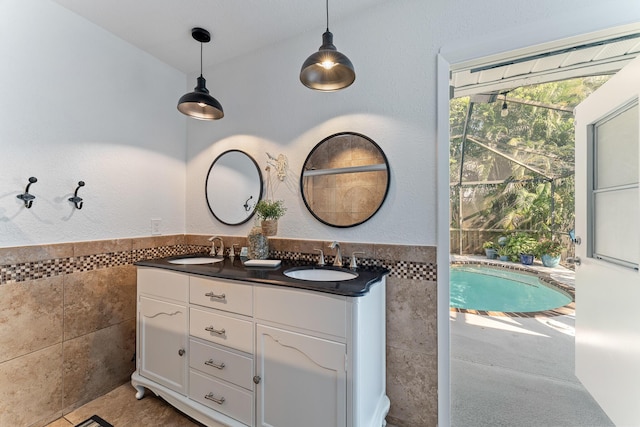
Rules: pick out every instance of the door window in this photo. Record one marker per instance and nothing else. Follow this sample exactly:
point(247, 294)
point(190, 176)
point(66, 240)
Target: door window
point(615, 202)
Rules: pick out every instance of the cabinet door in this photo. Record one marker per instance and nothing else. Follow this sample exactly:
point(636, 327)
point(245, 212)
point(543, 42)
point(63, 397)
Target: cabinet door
point(303, 380)
point(163, 330)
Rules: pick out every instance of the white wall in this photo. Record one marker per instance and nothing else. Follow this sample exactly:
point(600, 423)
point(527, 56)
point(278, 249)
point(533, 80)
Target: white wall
point(77, 104)
point(267, 109)
point(393, 48)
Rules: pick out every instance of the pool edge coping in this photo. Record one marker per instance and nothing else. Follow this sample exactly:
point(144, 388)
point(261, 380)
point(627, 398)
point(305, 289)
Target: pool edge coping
point(566, 309)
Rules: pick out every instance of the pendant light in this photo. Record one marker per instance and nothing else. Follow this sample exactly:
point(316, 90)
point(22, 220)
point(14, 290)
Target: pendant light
point(327, 70)
point(505, 108)
point(199, 104)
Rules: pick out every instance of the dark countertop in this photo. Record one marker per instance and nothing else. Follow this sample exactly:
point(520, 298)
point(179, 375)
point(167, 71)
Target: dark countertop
point(235, 270)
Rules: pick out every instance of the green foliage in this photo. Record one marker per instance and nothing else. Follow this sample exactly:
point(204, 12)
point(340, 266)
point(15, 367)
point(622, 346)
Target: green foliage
point(520, 243)
point(488, 245)
point(503, 251)
point(541, 138)
point(267, 209)
point(548, 247)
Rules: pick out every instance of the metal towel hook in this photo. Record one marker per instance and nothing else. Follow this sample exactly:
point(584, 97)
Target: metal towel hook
point(26, 197)
point(246, 205)
point(75, 199)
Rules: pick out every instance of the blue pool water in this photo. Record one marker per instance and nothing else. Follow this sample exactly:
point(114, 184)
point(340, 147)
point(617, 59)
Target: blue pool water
point(490, 289)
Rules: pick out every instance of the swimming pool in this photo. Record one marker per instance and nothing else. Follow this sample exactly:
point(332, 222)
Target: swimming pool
point(477, 287)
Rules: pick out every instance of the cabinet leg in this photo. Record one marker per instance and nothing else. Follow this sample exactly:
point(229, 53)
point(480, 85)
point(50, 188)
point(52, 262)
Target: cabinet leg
point(140, 393)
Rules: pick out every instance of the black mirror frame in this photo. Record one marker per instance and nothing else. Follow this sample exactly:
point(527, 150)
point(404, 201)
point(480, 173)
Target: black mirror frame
point(206, 186)
point(386, 191)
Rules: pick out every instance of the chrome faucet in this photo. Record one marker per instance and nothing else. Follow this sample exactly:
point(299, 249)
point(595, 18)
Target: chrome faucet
point(220, 252)
point(337, 262)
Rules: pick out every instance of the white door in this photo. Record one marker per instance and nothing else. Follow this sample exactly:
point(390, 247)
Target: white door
point(303, 380)
point(607, 223)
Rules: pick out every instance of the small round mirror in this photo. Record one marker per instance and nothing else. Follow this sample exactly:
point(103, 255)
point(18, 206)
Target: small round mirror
point(345, 179)
point(233, 187)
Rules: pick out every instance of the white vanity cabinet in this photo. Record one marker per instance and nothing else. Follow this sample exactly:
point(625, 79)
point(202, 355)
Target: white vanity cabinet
point(320, 358)
point(235, 353)
point(163, 328)
point(221, 347)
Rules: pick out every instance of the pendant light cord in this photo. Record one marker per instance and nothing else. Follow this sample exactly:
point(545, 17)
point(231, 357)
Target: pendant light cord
point(327, 14)
point(200, 59)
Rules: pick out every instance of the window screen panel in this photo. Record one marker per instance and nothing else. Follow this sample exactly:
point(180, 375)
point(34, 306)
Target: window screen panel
point(616, 157)
point(616, 216)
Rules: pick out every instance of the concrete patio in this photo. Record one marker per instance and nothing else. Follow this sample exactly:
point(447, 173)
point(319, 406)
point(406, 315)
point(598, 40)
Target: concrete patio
point(508, 371)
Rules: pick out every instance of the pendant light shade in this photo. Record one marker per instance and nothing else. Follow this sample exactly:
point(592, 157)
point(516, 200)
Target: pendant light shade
point(199, 104)
point(327, 69)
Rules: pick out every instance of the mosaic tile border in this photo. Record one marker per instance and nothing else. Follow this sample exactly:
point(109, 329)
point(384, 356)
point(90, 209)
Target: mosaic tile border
point(543, 277)
point(14, 273)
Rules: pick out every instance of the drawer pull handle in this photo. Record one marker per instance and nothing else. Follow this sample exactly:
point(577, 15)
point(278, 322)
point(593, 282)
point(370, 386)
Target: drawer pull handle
point(181, 352)
point(210, 362)
point(212, 295)
point(214, 399)
point(215, 331)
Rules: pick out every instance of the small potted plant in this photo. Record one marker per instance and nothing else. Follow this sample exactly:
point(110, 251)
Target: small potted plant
point(269, 212)
point(503, 253)
point(521, 247)
point(549, 252)
point(490, 249)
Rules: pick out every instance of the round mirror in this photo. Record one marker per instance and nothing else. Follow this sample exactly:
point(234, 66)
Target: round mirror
point(233, 187)
point(345, 179)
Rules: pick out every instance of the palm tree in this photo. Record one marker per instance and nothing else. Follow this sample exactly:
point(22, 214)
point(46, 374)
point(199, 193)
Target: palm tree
point(526, 157)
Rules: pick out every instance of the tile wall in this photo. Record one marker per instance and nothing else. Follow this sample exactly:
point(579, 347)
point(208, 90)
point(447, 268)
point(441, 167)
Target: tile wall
point(67, 321)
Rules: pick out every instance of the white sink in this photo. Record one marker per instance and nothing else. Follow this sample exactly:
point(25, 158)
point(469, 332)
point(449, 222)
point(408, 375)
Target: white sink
point(196, 260)
point(320, 274)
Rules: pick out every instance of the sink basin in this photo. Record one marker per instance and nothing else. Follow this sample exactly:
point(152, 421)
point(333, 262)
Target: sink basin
point(315, 274)
point(196, 260)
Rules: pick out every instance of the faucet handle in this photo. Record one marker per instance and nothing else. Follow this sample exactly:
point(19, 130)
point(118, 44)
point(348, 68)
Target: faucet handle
point(354, 260)
point(321, 258)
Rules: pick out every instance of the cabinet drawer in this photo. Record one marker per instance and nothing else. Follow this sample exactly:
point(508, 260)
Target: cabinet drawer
point(222, 364)
point(232, 401)
point(163, 283)
point(222, 295)
point(313, 311)
point(221, 329)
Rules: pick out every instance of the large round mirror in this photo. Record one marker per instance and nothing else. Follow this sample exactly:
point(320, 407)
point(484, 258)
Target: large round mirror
point(345, 179)
point(233, 187)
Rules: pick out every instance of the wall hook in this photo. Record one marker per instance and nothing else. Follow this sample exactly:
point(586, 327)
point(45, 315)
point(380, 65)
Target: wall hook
point(26, 197)
point(246, 205)
point(75, 199)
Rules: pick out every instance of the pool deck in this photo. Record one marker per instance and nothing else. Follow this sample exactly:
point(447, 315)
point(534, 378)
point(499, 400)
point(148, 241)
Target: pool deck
point(518, 370)
point(560, 274)
point(559, 277)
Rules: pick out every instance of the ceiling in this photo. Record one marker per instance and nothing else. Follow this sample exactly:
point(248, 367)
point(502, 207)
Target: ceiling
point(163, 27)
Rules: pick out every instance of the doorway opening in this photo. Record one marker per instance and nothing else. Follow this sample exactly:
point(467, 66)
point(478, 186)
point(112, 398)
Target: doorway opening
point(490, 74)
point(512, 192)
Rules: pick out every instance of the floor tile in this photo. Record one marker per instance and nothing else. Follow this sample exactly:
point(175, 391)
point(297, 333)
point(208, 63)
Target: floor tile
point(121, 409)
